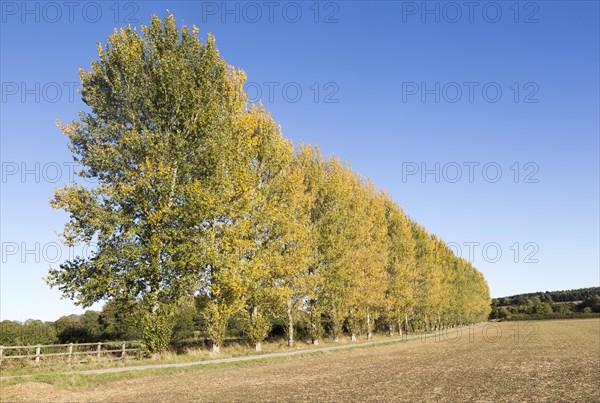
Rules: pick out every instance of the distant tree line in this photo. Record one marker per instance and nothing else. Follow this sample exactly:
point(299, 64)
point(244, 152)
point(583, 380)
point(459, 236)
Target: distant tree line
point(583, 302)
point(200, 202)
point(113, 323)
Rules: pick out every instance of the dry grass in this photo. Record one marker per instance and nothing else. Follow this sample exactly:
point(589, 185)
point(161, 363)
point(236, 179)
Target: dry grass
point(548, 361)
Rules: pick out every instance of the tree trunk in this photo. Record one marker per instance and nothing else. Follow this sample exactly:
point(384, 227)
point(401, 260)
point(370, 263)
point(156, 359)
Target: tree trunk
point(335, 325)
point(353, 337)
point(315, 318)
point(369, 333)
point(216, 348)
point(290, 324)
point(400, 328)
point(391, 330)
point(254, 317)
point(406, 323)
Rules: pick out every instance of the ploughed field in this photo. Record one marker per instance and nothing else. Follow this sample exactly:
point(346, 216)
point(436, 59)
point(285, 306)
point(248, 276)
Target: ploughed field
point(509, 361)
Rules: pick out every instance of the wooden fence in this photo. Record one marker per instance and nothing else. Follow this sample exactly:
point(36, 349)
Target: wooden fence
point(73, 350)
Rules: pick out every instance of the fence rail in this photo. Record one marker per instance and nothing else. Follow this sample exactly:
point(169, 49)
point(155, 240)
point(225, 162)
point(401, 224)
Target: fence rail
point(72, 350)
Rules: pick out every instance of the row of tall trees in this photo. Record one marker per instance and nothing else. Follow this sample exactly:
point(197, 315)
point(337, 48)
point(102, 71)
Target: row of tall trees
point(198, 194)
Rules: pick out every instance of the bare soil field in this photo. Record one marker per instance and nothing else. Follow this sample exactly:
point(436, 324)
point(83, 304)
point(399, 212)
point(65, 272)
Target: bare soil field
point(499, 362)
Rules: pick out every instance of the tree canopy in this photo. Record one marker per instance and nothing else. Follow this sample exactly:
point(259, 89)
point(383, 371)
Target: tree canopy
point(199, 195)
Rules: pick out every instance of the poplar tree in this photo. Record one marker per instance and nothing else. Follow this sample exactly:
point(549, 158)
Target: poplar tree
point(281, 232)
point(227, 231)
point(296, 239)
point(370, 253)
point(434, 283)
point(163, 107)
point(401, 268)
point(337, 226)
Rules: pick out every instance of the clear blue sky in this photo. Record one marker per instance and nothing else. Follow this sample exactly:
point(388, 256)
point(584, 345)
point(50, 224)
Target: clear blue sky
point(379, 67)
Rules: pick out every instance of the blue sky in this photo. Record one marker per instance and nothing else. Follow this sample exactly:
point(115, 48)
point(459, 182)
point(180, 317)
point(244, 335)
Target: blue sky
point(498, 105)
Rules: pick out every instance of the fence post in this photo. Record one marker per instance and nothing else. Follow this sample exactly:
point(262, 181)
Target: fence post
point(123, 350)
point(98, 348)
point(70, 352)
point(38, 350)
